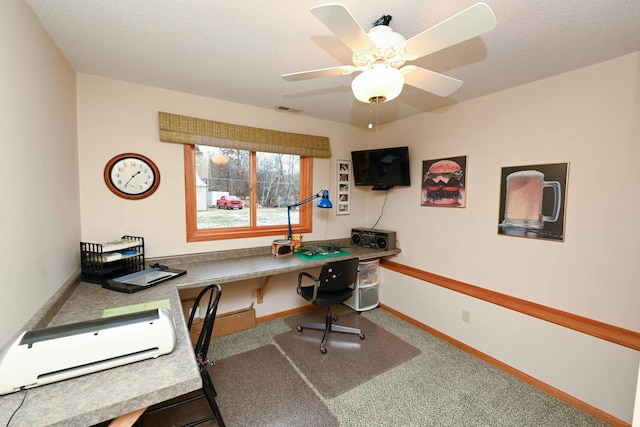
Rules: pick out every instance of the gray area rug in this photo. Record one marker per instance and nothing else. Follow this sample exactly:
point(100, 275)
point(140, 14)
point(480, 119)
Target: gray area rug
point(349, 361)
point(256, 388)
point(265, 390)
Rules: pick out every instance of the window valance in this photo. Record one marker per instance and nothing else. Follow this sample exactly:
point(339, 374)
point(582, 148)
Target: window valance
point(191, 130)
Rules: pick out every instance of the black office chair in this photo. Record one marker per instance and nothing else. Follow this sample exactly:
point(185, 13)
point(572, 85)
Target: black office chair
point(211, 294)
point(334, 286)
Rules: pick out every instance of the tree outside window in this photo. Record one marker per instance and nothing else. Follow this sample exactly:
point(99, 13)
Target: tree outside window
point(264, 183)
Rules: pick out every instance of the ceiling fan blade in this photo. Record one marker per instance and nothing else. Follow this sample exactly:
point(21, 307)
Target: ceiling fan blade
point(341, 23)
point(471, 22)
point(342, 70)
point(430, 81)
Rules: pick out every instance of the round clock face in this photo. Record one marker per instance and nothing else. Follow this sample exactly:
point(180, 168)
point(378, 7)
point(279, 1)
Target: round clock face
point(132, 176)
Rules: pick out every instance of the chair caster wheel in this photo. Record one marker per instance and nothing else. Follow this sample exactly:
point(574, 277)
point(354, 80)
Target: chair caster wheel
point(299, 328)
point(323, 350)
point(361, 336)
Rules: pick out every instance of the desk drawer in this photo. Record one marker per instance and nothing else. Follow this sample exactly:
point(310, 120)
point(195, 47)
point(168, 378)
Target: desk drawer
point(367, 296)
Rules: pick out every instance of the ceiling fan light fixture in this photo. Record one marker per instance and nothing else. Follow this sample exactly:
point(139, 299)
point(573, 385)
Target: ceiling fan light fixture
point(379, 83)
point(384, 37)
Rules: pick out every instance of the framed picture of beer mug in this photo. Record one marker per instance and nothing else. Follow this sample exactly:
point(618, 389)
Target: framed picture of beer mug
point(444, 182)
point(533, 200)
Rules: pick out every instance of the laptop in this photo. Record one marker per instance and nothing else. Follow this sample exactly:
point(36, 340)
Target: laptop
point(143, 279)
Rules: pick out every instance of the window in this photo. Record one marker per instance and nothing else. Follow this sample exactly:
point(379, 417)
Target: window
point(234, 193)
point(224, 158)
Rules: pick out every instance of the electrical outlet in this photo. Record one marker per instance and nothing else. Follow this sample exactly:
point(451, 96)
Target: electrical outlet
point(466, 316)
point(254, 293)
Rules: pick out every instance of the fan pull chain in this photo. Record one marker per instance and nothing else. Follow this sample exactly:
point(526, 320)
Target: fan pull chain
point(377, 113)
point(374, 100)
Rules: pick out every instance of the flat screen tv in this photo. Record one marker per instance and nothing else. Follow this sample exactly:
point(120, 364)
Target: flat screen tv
point(382, 168)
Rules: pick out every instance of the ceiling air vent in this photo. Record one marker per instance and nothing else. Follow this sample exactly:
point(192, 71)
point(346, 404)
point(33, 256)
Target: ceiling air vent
point(289, 109)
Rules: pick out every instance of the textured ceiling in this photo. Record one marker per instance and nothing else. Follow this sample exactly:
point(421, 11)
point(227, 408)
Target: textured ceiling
point(237, 51)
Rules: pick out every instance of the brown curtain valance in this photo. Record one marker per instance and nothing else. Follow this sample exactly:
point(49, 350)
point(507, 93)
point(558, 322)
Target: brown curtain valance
point(190, 130)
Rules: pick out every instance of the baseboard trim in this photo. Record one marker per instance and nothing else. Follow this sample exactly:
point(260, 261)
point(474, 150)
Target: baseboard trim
point(571, 400)
point(285, 313)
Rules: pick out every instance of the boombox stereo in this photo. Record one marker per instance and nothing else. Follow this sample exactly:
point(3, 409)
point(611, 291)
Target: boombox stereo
point(375, 239)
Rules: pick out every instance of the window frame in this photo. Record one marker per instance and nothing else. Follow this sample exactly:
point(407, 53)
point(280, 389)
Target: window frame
point(194, 234)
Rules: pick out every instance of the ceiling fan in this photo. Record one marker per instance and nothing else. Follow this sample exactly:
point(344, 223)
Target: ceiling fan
point(381, 53)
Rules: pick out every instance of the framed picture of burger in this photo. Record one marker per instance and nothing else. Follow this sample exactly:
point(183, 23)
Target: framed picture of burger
point(444, 182)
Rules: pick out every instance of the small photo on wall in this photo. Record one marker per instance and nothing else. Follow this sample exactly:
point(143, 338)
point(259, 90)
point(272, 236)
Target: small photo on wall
point(344, 188)
point(444, 182)
point(532, 201)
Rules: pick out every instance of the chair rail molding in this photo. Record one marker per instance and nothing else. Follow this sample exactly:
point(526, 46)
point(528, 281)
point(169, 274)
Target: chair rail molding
point(605, 331)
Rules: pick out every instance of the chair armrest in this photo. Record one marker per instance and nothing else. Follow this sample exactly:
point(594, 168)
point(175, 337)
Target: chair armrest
point(305, 274)
point(314, 284)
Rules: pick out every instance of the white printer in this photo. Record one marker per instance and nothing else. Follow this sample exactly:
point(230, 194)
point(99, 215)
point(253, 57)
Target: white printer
point(43, 356)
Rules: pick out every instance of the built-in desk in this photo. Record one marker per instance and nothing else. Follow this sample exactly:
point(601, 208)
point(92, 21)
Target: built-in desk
point(241, 264)
point(90, 399)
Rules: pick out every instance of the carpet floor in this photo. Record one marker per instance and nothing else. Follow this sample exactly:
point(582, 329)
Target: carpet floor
point(431, 383)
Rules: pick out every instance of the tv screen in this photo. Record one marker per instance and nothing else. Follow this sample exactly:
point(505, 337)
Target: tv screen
point(382, 168)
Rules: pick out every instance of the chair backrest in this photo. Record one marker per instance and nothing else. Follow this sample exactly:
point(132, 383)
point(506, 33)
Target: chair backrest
point(338, 275)
point(211, 294)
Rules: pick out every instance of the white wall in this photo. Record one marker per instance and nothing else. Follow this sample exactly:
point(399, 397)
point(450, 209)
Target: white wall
point(636, 410)
point(588, 118)
point(40, 215)
point(116, 117)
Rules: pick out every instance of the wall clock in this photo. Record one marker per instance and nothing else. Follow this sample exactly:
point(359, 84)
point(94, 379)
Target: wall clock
point(132, 176)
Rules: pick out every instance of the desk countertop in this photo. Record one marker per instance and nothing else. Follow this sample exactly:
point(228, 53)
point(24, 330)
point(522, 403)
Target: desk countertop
point(104, 395)
point(231, 266)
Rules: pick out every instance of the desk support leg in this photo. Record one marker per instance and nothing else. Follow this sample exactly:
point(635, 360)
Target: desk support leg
point(127, 419)
point(261, 289)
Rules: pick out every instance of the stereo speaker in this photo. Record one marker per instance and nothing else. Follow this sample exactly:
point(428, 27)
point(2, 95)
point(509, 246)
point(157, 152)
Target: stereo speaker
point(372, 238)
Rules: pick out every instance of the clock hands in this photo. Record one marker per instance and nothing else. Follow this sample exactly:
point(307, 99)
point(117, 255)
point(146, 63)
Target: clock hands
point(132, 176)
